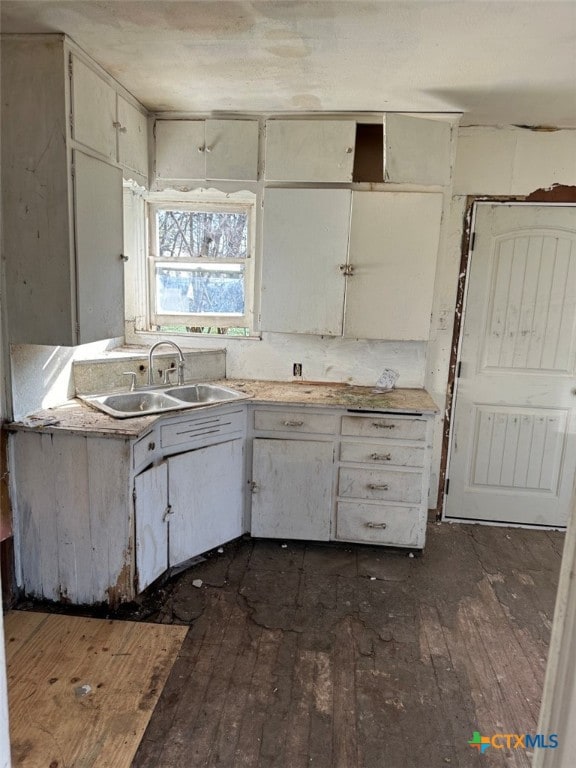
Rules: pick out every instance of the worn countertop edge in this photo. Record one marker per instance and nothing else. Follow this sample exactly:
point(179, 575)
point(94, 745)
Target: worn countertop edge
point(52, 420)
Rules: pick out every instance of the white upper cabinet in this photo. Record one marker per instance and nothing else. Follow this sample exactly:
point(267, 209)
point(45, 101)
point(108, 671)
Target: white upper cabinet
point(132, 137)
point(207, 149)
point(179, 149)
point(305, 245)
point(93, 110)
point(106, 122)
point(416, 150)
point(98, 230)
point(392, 259)
point(231, 149)
point(63, 235)
point(368, 277)
point(310, 150)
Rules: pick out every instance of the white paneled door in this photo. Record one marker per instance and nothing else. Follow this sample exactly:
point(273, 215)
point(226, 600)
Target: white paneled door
point(513, 448)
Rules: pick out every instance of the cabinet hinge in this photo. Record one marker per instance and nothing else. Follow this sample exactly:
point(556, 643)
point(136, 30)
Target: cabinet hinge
point(472, 241)
point(459, 369)
point(447, 486)
point(70, 66)
point(72, 171)
point(134, 495)
point(77, 327)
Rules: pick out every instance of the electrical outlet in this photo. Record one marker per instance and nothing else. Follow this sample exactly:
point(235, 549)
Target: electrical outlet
point(297, 370)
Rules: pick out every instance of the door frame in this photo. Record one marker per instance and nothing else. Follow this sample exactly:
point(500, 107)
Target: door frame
point(557, 195)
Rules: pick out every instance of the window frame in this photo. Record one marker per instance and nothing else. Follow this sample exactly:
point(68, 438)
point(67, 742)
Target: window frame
point(155, 319)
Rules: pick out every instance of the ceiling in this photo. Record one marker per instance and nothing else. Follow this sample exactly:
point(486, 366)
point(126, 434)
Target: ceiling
point(498, 62)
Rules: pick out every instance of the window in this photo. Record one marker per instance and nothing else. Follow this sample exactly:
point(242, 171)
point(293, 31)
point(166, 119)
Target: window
point(201, 278)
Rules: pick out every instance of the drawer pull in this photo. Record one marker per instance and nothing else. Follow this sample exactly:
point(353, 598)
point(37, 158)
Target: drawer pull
point(167, 513)
point(380, 456)
point(379, 425)
point(376, 487)
point(376, 525)
point(293, 423)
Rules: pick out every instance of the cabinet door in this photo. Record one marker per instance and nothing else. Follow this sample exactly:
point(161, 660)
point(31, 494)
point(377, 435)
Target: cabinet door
point(132, 138)
point(232, 149)
point(305, 242)
point(393, 249)
point(93, 110)
point(416, 150)
point(292, 489)
point(206, 491)
point(151, 508)
point(99, 244)
point(180, 149)
point(310, 150)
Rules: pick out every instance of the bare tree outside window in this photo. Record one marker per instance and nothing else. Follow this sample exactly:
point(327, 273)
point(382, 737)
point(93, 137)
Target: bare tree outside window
point(201, 260)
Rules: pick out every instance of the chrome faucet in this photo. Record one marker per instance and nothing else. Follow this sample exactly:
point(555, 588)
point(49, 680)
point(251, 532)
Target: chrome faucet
point(180, 361)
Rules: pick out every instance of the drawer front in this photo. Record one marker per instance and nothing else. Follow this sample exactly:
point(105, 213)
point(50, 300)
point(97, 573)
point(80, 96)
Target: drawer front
point(208, 424)
point(294, 421)
point(382, 453)
point(384, 426)
point(145, 449)
point(379, 524)
point(380, 484)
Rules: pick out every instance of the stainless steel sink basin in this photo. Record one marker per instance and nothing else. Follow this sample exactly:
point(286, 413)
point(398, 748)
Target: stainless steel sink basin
point(198, 394)
point(125, 405)
point(128, 404)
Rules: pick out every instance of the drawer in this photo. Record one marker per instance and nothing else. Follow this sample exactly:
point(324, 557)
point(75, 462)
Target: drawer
point(384, 426)
point(208, 424)
point(382, 453)
point(294, 421)
point(380, 484)
point(381, 524)
point(144, 449)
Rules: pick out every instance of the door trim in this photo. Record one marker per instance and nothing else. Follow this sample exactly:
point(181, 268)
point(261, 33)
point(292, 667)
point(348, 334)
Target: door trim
point(556, 196)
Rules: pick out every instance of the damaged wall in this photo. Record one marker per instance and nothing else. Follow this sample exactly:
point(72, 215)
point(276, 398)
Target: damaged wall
point(490, 162)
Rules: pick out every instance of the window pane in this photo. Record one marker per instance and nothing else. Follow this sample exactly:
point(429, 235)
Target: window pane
point(195, 234)
point(210, 289)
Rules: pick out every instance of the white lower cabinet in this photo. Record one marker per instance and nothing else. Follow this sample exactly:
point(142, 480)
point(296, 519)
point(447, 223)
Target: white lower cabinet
point(186, 505)
point(358, 478)
point(383, 480)
point(99, 518)
point(292, 488)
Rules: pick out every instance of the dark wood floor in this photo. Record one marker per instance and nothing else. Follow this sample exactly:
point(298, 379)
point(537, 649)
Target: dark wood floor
point(342, 656)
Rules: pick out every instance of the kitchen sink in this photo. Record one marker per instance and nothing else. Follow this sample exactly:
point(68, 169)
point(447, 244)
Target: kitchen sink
point(125, 405)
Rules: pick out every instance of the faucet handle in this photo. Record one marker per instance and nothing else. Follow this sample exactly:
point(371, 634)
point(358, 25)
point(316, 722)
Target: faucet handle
point(132, 381)
point(167, 372)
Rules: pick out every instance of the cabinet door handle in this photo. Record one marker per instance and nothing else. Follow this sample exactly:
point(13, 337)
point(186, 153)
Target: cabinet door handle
point(293, 423)
point(380, 456)
point(123, 257)
point(167, 513)
point(376, 487)
point(208, 149)
point(382, 526)
point(121, 128)
point(379, 425)
point(201, 149)
point(347, 269)
point(254, 487)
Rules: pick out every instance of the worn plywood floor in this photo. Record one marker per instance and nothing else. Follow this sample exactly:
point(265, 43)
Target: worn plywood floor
point(81, 690)
point(355, 657)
